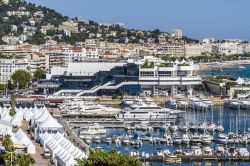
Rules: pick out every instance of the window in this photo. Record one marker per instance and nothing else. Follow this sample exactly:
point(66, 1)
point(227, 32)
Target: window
point(147, 74)
point(164, 73)
point(181, 73)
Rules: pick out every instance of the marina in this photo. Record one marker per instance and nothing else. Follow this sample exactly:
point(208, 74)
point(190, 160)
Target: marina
point(209, 134)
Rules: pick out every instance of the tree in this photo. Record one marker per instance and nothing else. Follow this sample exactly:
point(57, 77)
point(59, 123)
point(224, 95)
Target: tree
point(39, 74)
point(8, 144)
point(21, 77)
point(13, 100)
point(12, 112)
point(2, 86)
point(112, 158)
point(24, 159)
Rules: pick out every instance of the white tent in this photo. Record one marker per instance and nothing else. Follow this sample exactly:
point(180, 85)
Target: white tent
point(5, 116)
point(23, 138)
point(61, 148)
point(17, 119)
point(5, 127)
point(66, 144)
point(50, 125)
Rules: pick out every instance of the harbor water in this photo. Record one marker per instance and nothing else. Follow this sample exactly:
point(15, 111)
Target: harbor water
point(221, 115)
point(234, 72)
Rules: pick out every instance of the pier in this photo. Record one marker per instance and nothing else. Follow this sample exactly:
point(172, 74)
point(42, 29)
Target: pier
point(108, 122)
point(200, 158)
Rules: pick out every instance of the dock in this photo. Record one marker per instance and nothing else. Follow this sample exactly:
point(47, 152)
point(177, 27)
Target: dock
point(107, 122)
point(200, 158)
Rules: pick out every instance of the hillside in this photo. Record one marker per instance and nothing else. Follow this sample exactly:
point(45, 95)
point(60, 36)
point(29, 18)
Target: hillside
point(21, 21)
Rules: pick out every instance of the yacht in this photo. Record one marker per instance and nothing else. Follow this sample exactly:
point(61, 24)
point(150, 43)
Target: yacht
point(176, 139)
point(206, 138)
point(182, 103)
point(183, 127)
point(148, 112)
point(93, 130)
point(195, 138)
point(171, 104)
point(92, 109)
point(245, 104)
point(208, 102)
point(232, 103)
point(185, 139)
point(174, 128)
point(207, 151)
point(86, 107)
point(210, 127)
point(193, 102)
point(127, 101)
point(222, 139)
point(219, 128)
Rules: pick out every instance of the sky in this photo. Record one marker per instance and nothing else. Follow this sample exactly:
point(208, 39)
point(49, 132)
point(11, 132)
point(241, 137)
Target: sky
point(221, 19)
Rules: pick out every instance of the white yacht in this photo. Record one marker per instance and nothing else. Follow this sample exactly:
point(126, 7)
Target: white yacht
point(185, 139)
point(182, 103)
point(222, 139)
point(148, 112)
point(195, 138)
point(92, 130)
point(245, 104)
point(176, 139)
point(127, 101)
point(232, 103)
point(86, 107)
point(210, 127)
point(208, 102)
point(171, 104)
point(193, 103)
point(206, 138)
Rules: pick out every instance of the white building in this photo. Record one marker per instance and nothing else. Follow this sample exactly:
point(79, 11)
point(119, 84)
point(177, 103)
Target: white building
point(228, 48)
point(167, 78)
point(9, 66)
point(177, 33)
point(197, 49)
point(66, 55)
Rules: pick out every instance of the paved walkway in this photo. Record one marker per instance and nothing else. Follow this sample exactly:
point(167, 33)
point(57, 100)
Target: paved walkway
point(39, 160)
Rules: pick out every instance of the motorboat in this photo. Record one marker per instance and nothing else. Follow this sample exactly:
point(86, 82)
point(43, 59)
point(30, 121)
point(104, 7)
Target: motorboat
point(219, 128)
point(174, 128)
point(176, 139)
point(195, 138)
point(210, 127)
point(243, 152)
point(183, 127)
point(93, 130)
point(182, 104)
point(202, 126)
point(197, 151)
point(245, 104)
point(206, 138)
point(222, 139)
point(127, 101)
point(171, 104)
point(185, 139)
point(232, 103)
point(207, 151)
point(219, 150)
point(125, 140)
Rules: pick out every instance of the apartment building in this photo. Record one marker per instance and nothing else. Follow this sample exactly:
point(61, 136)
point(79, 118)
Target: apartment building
point(9, 66)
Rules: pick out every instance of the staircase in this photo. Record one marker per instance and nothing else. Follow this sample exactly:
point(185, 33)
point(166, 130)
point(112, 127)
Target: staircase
point(107, 86)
